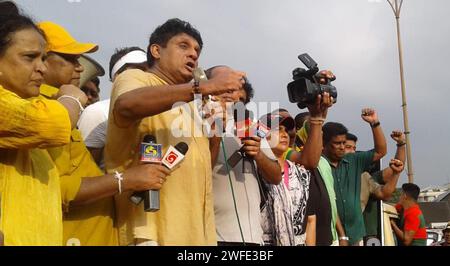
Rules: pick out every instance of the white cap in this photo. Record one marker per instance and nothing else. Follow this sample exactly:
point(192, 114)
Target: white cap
point(133, 57)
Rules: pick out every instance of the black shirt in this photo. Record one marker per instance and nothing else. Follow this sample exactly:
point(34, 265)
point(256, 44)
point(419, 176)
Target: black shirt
point(319, 204)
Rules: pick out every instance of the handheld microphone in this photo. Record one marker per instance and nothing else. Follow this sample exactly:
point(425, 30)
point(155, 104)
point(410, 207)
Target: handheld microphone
point(244, 130)
point(172, 158)
point(151, 152)
point(175, 155)
point(199, 74)
point(263, 130)
point(244, 123)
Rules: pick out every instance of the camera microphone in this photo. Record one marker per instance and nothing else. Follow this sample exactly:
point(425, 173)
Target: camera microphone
point(151, 152)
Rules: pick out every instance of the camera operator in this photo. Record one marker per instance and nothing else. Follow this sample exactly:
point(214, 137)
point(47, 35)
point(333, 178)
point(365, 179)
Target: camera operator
point(328, 228)
point(296, 192)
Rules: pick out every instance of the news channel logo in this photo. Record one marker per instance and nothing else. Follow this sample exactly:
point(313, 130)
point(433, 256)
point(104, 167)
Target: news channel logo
point(171, 157)
point(151, 153)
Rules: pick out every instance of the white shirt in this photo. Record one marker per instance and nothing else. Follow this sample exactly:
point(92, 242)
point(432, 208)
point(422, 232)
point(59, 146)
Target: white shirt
point(247, 195)
point(93, 124)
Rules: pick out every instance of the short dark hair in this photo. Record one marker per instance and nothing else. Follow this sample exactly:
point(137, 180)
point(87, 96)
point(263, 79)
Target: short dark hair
point(8, 8)
point(352, 137)
point(172, 27)
point(333, 129)
point(119, 53)
point(249, 91)
point(411, 190)
point(11, 21)
point(96, 81)
point(300, 119)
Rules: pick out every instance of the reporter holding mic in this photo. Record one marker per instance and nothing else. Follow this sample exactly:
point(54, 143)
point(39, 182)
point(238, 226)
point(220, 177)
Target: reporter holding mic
point(237, 213)
point(137, 178)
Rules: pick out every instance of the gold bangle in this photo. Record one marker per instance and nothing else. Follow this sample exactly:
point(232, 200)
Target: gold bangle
point(313, 120)
point(316, 123)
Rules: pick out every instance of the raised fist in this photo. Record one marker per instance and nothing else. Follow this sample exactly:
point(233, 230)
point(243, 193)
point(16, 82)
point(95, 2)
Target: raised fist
point(398, 136)
point(396, 165)
point(369, 115)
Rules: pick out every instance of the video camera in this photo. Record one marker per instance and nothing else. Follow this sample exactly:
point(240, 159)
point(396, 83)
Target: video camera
point(305, 87)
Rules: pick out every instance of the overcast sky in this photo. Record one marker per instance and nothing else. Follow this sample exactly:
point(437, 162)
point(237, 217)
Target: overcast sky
point(354, 38)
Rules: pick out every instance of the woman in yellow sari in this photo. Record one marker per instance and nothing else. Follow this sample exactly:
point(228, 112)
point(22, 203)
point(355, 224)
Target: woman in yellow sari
point(30, 199)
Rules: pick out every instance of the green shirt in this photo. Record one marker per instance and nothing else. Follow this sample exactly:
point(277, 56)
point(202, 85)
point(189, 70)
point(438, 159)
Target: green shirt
point(347, 185)
point(371, 213)
point(327, 177)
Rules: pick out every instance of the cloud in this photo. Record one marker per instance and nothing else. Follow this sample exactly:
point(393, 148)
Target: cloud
point(354, 38)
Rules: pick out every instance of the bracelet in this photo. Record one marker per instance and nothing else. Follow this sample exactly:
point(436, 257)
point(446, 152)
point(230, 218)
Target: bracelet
point(75, 99)
point(344, 238)
point(316, 123)
point(374, 125)
point(314, 119)
point(401, 144)
point(119, 177)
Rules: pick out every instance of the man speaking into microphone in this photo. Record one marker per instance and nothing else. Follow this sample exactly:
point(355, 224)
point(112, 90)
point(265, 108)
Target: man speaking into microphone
point(142, 102)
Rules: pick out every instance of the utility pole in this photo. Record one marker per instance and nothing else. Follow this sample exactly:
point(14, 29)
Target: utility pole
point(396, 6)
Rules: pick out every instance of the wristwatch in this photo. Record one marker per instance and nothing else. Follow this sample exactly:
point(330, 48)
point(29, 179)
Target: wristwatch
point(401, 144)
point(374, 125)
point(344, 238)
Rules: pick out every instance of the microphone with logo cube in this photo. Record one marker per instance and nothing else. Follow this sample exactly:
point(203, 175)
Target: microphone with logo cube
point(151, 152)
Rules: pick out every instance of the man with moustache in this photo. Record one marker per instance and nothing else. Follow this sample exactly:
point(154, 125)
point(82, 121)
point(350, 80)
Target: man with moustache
point(142, 102)
point(86, 192)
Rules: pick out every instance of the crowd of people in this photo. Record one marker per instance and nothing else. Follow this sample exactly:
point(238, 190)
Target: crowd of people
point(69, 163)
